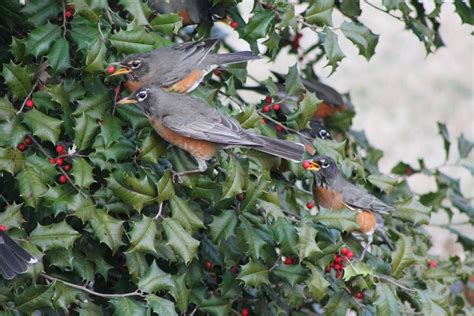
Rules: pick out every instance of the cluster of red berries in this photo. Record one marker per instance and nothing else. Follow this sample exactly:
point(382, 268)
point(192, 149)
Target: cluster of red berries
point(59, 162)
point(26, 142)
point(268, 106)
point(69, 11)
point(431, 263)
point(338, 261)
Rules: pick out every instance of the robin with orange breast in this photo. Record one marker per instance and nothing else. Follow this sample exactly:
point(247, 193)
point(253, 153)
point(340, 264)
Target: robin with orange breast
point(14, 260)
point(332, 191)
point(192, 125)
point(178, 68)
point(190, 11)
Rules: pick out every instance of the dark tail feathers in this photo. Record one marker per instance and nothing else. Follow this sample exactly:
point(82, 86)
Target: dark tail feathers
point(13, 259)
point(382, 233)
point(280, 148)
point(233, 58)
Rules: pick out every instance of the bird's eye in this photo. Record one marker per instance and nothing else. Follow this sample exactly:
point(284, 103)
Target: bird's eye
point(323, 133)
point(325, 164)
point(142, 95)
point(136, 64)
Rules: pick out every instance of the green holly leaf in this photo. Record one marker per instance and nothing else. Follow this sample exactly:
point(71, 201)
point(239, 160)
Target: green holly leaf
point(285, 235)
point(83, 32)
point(31, 186)
point(85, 131)
point(7, 111)
point(259, 25)
point(331, 48)
point(161, 306)
point(59, 235)
point(351, 8)
point(320, 13)
point(338, 303)
point(403, 256)
point(343, 220)
point(464, 11)
point(167, 23)
point(183, 214)
point(332, 149)
point(34, 298)
point(443, 131)
point(254, 274)
point(387, 302)
point(223, 226)
point(155, 280)
point(316, 284)
point(45, 127)
point(136, 192)
point(352, 270)
point(306, 109)
point(18, 79)
point(293, 274)
point(95, 58)
point(11, 160)
point(254, 241)
point(58, 56)
point(165, 187)
point(293, 84)
point(362, 37)
point(11, 216)
point(82, 172)
point(307, 246)
point(234, 178)
point(41, 38)
point(142, 235)
point(383, 182)
point(152, 148)
point(107, 229)
point(413, 211)
point(465, 146)
point(124, 306)
point(39, 12)
point(180, 240)
point(136, 41)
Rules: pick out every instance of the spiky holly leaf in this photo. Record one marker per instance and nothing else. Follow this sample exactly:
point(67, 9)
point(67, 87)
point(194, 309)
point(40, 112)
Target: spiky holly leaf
point(254, 274)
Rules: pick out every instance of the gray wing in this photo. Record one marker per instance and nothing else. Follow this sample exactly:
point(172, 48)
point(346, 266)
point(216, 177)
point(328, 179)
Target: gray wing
point(217, 129)
point(358, 198)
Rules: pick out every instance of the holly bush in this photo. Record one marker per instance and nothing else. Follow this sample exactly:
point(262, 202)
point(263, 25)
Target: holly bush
point(87, 186)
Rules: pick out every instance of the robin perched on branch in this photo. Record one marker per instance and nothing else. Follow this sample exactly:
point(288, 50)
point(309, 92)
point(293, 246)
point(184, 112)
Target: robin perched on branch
point(201, 130)
point(190, 11)
point(316, 130)
point(178, 68)
point(332, 191)
point(14, 260)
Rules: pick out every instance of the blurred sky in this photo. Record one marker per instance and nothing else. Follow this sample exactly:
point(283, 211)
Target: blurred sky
point(401, 93)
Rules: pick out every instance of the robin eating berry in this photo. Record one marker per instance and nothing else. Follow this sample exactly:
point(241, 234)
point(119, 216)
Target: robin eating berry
point(332, 191)
point(201, 130)
point(178, 68)
point(14, 260)
point(190, 11)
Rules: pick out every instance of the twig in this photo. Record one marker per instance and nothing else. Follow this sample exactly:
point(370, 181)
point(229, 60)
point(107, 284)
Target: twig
point(160, 209)
point(382, 10)
point(389, 279)
point(28, 96)
point(64, 18)
point(37, 144)
point(238, 103)
point(83, 288)
point(289, 129)
point(301, 20)
point(4, 199)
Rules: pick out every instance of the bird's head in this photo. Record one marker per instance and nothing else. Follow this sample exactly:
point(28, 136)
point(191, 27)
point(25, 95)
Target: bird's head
point(134, 66)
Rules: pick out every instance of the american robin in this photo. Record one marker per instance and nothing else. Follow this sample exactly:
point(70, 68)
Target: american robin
point(201, 130)
point(13, 259)
point(332, 191)
point(190, 11)
point(316, 130)
point(178, 68)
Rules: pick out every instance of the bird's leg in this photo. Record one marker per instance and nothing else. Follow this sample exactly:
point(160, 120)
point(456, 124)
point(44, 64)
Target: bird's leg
point(202, 166)
point(370, 238)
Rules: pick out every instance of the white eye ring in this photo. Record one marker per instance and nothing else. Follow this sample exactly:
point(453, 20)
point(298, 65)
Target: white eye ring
point(136, 64)
point(323, 133)
point(142, 95)
point(325, 164)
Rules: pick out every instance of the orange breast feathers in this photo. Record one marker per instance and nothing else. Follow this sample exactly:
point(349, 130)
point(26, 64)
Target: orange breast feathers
point(200, 149)
point(328, 198)
point(188, 82)
point(366, 221)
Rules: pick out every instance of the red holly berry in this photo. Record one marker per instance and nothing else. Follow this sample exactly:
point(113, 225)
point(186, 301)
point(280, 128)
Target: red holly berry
point(234, 24)
point(266, 108)
point(27, 140)
point(279, 128)
point(358, 295)
point(21, 147)
point(349, 254)
point(244, 312)
point(344, 251)
point(327, 269)
point(268, 99)
point(52, 161)
point(431, 263)
point(70, 7)
point(207, 265)
point(262, 121)
point(332, 264)
point(276, 107)
point(68, 14)
point(62, 179)
point(3, 228)
point(59, 161)
point(67, 167)
point(305, 164)
point(289, 261)
point(29, 103)
point(337, 259)
point(59, 149)
point(310, 205)
point(110, 70)
point(337, 267)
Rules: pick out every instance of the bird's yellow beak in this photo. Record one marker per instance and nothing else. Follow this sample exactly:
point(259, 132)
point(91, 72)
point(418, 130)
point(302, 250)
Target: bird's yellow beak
point(127, 100)
point(121, 71)
point(313, 166)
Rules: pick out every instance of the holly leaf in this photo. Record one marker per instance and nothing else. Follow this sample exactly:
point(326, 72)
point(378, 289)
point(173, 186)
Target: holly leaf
point(135, 7)
point(307, 246)
point(403, 256)
point(18, 79)
point(59, 235)
point(34, 298)
point(465, 146)
point(306, 109)
point(285, 235)
point(152, 148)
point(413, 211)
point(383, 182)
point(331, 48)
point(136, 41)
point(161, 306)
point(293, 274)
point(362, 37)
point(155, 280)
point(136, 192)
point(183, 214)
point(126, 306)
point(58, 56)
point(387, 302)
point(223, 226)
point(31, 186)
point(259, 25)
point(254, 274)
point(167, 23)
point(443, 131)
point(342, 220)
point(11, 160)
point(356, 269)
point(320, 13)
point(180, 240)
point(82, 172)
point(142, 235)
point(39, 12)
point(316, 284)
point(107, 229)
point(95, 58)
point(41, 38)
point(293, 84)
point(43, 126)
point(11, 216)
